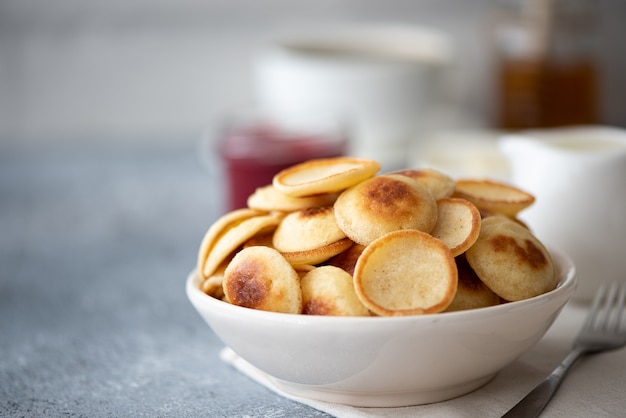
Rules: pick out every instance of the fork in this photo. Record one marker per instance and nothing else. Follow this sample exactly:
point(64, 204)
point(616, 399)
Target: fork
point(602, 331)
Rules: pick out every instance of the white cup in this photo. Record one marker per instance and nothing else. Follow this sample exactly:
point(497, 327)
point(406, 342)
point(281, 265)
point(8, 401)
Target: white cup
point(383, 78)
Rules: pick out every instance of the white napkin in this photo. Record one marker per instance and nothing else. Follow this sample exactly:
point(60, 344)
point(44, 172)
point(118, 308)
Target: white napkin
point(337, 410)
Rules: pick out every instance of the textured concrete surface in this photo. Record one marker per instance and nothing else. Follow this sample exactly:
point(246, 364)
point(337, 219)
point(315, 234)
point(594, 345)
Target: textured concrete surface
point(95, 245)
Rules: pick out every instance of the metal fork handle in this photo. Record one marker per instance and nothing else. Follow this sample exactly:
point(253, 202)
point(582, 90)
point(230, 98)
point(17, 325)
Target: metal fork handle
point(534, 403)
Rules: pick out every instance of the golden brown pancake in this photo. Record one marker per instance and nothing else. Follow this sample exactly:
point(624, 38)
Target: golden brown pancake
point(458, 224)
point(328, 290)
point(261, 239)
point(260, 278)
point(212, 286)
point(384, 204)
point(347, 259)
point(494, 196)
point(327, 175)
point(406, 272)
point(307, 229)
point(439, 184)
point(222, 224)
point(235, 236)
point(268, 198)
point(303, 269)
point(317, 255)
point(471, 292)
point(510, 260)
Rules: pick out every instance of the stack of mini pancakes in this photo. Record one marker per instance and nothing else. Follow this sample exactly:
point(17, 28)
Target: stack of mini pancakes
point(335, 237)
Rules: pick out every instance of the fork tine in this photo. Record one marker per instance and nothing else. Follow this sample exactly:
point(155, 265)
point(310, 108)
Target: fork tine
point(605, 321)
point(620, 306)
point(595, 308)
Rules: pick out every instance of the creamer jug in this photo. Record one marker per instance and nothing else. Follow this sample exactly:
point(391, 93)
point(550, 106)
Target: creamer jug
point(578, 176)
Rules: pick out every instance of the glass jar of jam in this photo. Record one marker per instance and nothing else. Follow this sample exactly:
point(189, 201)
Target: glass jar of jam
point(256, 146)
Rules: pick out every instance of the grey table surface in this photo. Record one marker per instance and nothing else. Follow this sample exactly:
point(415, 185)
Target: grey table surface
point(95, 245)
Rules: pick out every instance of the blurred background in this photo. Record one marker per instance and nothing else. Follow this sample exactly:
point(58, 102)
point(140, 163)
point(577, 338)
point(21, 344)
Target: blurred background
point(163, 70)
point(105, 197)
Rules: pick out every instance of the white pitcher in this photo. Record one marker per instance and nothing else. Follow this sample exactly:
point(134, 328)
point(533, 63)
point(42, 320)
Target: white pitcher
point(578, 176)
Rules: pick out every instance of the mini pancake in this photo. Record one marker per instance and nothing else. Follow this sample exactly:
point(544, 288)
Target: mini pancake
point(328, 290)
point(303, 269)
point(268, 198)
point(439, 184)
point(471, 292)
point(260, 278)
point(307, 229)
point(458, 224)
point(510, 260)
point(212, 286)
point(235, 236)
point(406, 272)
point(347, 259)
point(326, 175)
point(485, 213)
point(317, 255)
point(494, 196)
point(383, 204)
point(264, 239)
point(222, 224)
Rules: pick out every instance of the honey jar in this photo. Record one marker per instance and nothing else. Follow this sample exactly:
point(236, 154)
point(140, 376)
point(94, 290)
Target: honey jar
point(546, 72)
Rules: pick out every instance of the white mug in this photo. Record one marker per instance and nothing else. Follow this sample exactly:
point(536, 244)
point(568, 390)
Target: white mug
point(382, 78)
point(578, 176)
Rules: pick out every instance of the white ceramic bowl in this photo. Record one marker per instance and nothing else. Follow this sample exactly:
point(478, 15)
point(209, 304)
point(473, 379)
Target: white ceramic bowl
point(385, 361)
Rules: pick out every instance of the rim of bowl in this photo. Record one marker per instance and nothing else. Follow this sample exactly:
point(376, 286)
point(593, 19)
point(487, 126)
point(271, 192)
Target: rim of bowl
point(565, 288)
